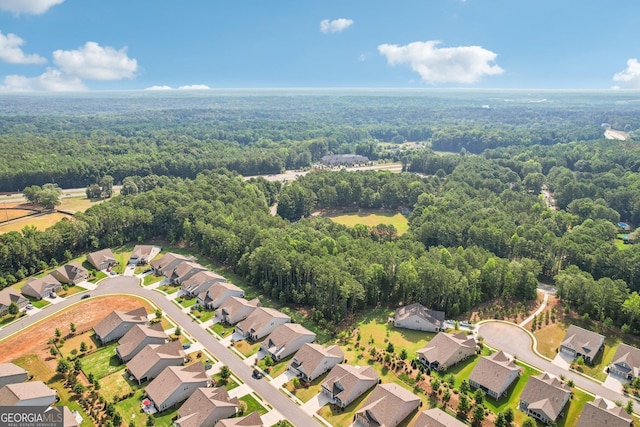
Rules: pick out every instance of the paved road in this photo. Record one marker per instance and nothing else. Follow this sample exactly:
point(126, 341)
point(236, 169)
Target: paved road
point(123, 284)
point(513, 340)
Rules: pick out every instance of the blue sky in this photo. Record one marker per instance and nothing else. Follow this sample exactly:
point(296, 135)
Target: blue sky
point(57, 45)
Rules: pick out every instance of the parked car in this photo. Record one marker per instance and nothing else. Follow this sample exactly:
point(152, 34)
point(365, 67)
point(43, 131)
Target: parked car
point(28, 307)
point(53, 295)
point(186, 346)
point(85, 296)
point(257, 374)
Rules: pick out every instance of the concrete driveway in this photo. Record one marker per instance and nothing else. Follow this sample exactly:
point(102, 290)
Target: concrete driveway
point(314, 404)
point(283, 378)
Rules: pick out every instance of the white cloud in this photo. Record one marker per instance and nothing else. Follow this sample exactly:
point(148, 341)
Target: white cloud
point(10, 51)
point(335, 26)
point(35, 7)
point(51, 80)
point(194, 87)
point(159, 88)
point(95, 62)
point(629, 78)
point(462, 64)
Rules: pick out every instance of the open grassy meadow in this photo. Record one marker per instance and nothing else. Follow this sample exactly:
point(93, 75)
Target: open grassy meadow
point(41, 222)
point(373, 218)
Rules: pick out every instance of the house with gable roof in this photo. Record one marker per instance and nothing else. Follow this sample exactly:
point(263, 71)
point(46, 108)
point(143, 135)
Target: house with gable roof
point(12, 374)
point(436, 417)
point(251, 420)
point(261, 322)
point(30, 393)
point(286, 339)
point(117, 323)
point(235, 309)
point(218, 293)
point(137, 338)
point(445, 350)
point(175, 384)
point(201, 282)
point(388, 405)
point(345, 383)
point(419, 318)
point(41, 287)
point(313, 360)
point(544, 397)
point(599, 414)
point(626, 362)
point(102, 259)
point(494, 374)
point(72, 273)
point(154, 358)
point(165, 265)
point(579, 342)
point(143, 254)
point(205, 407)
point(10, 296)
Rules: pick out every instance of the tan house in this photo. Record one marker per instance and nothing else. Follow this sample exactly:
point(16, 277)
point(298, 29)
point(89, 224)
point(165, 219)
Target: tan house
point(313, 360)
point(143, 254)
point(164, 266)
point(286, 339)
point(626, 362)
point(445, 350)
point(544, 397)
point(205, 407)
point(30, 393)
point(154, 358)
point(235, 309)
point(579, 342)
point(435, 417)
point(417, 317)
point(103, 259)
point(345, 383)
point(42, 287)
point(10, 296)
point(137, 338)
point(494, 374)
point(72, 273)
point(175, 384)
point(201, 282)
point(261, 322)
point(12, 374)
point(184, 271)
point(251, 420)
point(118, 323)
point(388, 405)
point(218, 293)
point(599, 414)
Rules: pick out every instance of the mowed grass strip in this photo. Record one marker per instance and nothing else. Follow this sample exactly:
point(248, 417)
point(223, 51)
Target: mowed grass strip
point(373, 218)
point(41, 222)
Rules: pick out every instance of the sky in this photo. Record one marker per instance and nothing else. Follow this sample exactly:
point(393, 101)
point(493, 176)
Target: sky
point(97, 45)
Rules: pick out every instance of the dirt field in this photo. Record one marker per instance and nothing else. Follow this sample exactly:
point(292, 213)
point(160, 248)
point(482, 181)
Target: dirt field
point(85, 315)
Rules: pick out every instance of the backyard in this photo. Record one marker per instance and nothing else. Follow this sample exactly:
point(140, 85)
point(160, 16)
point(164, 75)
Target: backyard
point(372, 218)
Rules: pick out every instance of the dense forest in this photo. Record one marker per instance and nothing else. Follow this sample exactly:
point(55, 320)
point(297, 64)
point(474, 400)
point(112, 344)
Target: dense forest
point(480, 225)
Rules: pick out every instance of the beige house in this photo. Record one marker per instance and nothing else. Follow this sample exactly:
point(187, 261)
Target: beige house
point(8, 296)
point(599, 414)
point(137, 338)
point(154, 358)
point(118, 323)
point(218, 293)
point(72, 273)
point(102, 259)
point(69, 417)
point(435, 417)
point(235, 309)
point(494, 374)
point(201, 282)
point(12, 374)
point(579, 342)
point(388, 405)
point(205, 407)
point(261, 322)
point(313, 360)
point(184, 271)
point(286, 339)
point(143, 254)
point(544, 397)
point(42, 287)
point(417, 317)
point(626, 362)
point(30, 393)
point(175, 384)
point(251, 420)
point(167, 263)
point(345, 383)
point(445, 350)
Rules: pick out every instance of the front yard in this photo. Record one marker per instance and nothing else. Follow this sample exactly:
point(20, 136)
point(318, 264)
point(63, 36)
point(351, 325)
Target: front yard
point(252, 405)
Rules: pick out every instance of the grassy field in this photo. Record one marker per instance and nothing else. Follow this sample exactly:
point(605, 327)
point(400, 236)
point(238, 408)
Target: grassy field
point(41, 222)
point(253, 405)
point(373, 218)
point(229, 384)
point(222, 330)
point(247, 349)
point(102, 362)
point(306, 393)
point(115, 385)
point(77, 204)
point(9, 214)
point(73, 343)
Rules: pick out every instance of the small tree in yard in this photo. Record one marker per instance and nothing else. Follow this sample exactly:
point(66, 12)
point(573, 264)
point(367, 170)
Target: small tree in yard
point(390, 347)
point(53, 351)
point(78, 389)
point(478, 396)
point(225, 372)
point(403, 354)
point(509, 416)
point(63, 366)
point(13, 309)
point(629, 407)
point(58, 333)
point(77, 365)
point(178, 331)
point(446, 396)
point(83, 346)
point(478, 415)
point(72, 328)
point(150, 422)
point(529, 422)
point(463, 405)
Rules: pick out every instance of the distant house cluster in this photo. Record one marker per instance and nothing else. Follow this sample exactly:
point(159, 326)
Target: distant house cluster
point(343, 159)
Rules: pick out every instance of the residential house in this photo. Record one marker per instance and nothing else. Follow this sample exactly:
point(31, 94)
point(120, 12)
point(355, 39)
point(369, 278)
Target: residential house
point(118, 323)
point(261, 322)
point(42, 287)
point(164, 266)
point(494, 374)
point(154, 358)
point(205, 407)
point(345, 383)
point(8, 296)
point(286, 339)
point(235, 309)
point(201, 282)
point(137, 338)
point(69, 418)
point(313, 360)
point(579, 342)
point(72, 273)
point(175, 384)
point(102, 259)
point(143, 254)
point(30, 393)
point(544, 397)
point(626, 362)
point(419, 318)
point(388, 405)
point(184, 271)
point(436, 417)
point(445, 350)
point(12, 374)
point(218, 293)
point(599, 414)
point(251, 420)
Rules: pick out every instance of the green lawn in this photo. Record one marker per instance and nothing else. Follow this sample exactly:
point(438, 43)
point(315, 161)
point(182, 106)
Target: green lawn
point(276, 369)
point(305, 393)
point(372, 218)
point(203, 315)
point(186, 303)
point(575, 405)
point(152, 278)
point(38, 303)
point(130, 409)
point(115, 385)
point(99, 276)
point(230, 384)
point(71, 290)
point(339, 417)
point(253, 405)
point(103, 362)
point(513, 396)
point(74, 342)
point(222, 330)
point(246, 348)
point(7, 318)
point(603, 360)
